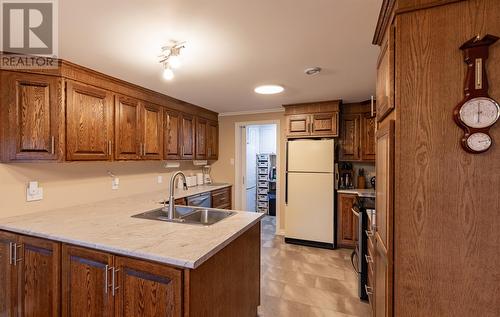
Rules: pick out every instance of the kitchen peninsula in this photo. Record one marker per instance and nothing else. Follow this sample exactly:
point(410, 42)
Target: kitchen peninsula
point(96, 258)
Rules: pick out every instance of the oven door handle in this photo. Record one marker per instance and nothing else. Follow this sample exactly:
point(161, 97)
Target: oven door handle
point(355, 212)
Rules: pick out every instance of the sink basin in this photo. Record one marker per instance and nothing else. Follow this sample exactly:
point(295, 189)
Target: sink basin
point(187, 215)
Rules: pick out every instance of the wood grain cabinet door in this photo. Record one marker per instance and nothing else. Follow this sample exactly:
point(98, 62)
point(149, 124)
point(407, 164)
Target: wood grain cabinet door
point(325, 124)
point(35, 109)
point(172, 135)
point(187, 137)
point(368, 138)
point(128, 136)
point(152, 132)
point(385, 76)
point(147, 289)
point(347, 222)
point(298, 125)
point(89, 123)
point(213, 140)
point(8, 276)
point(38, 277)
point(350, 149)
point(201, 138)
point(86, 280)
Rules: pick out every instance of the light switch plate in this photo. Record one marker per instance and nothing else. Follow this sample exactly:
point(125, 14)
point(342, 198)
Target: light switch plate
point(115, 183)
point(160, 179)
point(34, 194)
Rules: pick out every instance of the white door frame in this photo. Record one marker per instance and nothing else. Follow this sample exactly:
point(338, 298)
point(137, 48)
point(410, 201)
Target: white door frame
point(239, 165)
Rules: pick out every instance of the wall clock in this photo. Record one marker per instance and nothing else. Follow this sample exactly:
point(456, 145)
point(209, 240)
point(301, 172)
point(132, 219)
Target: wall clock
point(477, 112)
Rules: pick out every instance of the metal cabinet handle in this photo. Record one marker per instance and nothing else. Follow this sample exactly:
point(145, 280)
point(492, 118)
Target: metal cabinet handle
point(15, 259)
point(372, 106)
point(368, 258)
point(369, 233)
point(355, 212)
point(109, 147)
point(11, 247)
point(144, 149)
point(369, 290)
point(52, 145)
point(106, 278)
point(114, 288)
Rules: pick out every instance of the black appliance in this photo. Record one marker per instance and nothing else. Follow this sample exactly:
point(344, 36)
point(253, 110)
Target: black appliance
point(359, 209)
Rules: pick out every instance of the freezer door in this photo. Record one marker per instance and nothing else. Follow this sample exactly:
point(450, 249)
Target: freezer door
point(309, 212)
point(311, 156)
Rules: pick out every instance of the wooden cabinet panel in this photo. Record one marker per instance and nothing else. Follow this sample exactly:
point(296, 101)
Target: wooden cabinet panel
point(201, 138)
point(172, 135)
point(85, 291)
point(187, 136)
point(147, 289)
point(298, 125)
point(8, 276)
point(127, 129)
point(152, 133)
point(325, 124)
point(350, 138)
point(385, 76)
point(39, 272)
point(34, 107)
point(347, 226)
point(368, 138)
point(382, 296)
point(89, 123)
point(221, 198)
point(212, 140)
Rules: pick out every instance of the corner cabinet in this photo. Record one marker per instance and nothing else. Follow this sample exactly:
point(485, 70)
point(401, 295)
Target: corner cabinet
point(33, 108)
point(319, 119)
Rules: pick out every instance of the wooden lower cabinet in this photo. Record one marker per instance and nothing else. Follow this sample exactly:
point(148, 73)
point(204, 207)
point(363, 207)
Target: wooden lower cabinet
point(221, 198)
point(8, 273)
point(347, 222)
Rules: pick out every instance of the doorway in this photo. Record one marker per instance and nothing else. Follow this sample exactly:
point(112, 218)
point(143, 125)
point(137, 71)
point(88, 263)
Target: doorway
point(257, 167)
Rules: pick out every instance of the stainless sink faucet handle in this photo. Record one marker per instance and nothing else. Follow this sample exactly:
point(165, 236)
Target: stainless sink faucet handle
point(171, 200)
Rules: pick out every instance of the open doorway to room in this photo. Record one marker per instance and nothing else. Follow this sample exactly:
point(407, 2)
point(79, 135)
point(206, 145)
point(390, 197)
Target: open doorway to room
point(257, 167)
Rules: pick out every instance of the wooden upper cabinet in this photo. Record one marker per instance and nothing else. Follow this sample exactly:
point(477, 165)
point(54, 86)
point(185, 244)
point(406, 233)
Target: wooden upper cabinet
point(385, 88)
point(8, 276)
point(172, 135)
point(201, 139)
point(86, 280)
point(212, 140)
point(39, 277)
point(152, 132)
point(89, 123)
point(187, 136)
point(320, 119)
point(147, 289)
point(33, 116)
point(128, 144)
point(368, 138)
point(350, 148)
point(347, 227)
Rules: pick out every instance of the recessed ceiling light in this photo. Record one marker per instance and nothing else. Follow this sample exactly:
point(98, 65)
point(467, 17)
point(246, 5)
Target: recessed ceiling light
point(269, 89)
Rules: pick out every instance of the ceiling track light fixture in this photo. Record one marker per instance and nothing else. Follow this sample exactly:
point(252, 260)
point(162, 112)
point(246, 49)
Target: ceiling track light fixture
point(170, 58)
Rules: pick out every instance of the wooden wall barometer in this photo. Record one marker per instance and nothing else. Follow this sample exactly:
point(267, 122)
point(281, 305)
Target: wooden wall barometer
point(477, 112)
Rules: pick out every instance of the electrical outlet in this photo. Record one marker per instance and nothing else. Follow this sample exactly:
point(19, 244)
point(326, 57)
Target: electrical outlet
point(33, 192)
point(160, 179)
point(115, 183)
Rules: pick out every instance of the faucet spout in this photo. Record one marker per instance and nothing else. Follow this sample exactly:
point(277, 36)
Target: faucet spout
point(171, 200)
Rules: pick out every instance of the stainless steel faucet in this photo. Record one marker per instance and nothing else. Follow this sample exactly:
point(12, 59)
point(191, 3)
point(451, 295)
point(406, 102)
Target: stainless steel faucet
point(171, 200)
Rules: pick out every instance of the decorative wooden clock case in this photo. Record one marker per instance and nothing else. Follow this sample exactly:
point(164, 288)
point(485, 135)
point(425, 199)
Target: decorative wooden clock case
point(477, 112)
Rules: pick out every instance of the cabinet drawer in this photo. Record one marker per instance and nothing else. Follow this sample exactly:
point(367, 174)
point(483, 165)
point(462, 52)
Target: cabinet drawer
point(262, 210)
point(221, 197)
point(263, 204)
point(263, 184)
point(262, 177)
point(262, 157)
point(262, 197)
point(262, 191)
point(263, 171)
point(262, 164)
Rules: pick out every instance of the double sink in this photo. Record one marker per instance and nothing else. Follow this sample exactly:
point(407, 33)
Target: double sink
point(187, 215)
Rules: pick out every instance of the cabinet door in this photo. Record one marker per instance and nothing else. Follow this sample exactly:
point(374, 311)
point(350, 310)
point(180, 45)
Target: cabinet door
point(325, 124)
point(152, 124)
point(368, 138)
point(221, 198)
point(147, 289)
point(38, 278)
point(350, 143)
point(86, 277)
point(128, 144)
point(385, 76)
point(213, 140)
point(298, 125)
point(35, 108)
point(188, 137)
point(201, 139)
point(383, 284)
point(8, 276)
point(172, 135)
point(89, 123)
point(347, 222)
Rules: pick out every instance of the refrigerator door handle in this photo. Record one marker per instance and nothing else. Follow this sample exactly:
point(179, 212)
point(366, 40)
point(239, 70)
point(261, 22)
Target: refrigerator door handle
point(286, 173)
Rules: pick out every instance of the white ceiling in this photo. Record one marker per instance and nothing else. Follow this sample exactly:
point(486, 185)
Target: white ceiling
point(232, 46)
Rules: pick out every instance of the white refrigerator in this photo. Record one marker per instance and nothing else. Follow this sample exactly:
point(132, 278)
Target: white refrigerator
point(309, 192)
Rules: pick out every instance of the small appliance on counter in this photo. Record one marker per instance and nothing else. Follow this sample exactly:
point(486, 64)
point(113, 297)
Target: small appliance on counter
point(346, 175)
point(206, 174)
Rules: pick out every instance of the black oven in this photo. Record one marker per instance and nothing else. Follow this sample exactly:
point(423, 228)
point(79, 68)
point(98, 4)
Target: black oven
point(359, 264)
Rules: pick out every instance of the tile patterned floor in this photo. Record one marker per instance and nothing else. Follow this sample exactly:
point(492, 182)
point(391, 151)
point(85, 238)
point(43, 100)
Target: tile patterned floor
point(302, 281)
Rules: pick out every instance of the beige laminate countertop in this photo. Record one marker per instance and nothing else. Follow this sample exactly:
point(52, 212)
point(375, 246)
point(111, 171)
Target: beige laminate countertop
point(108, 226)
point(367, 192)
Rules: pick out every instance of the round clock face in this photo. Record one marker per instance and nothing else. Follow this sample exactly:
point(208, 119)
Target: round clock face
point(480, 112)
point(479, 142)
